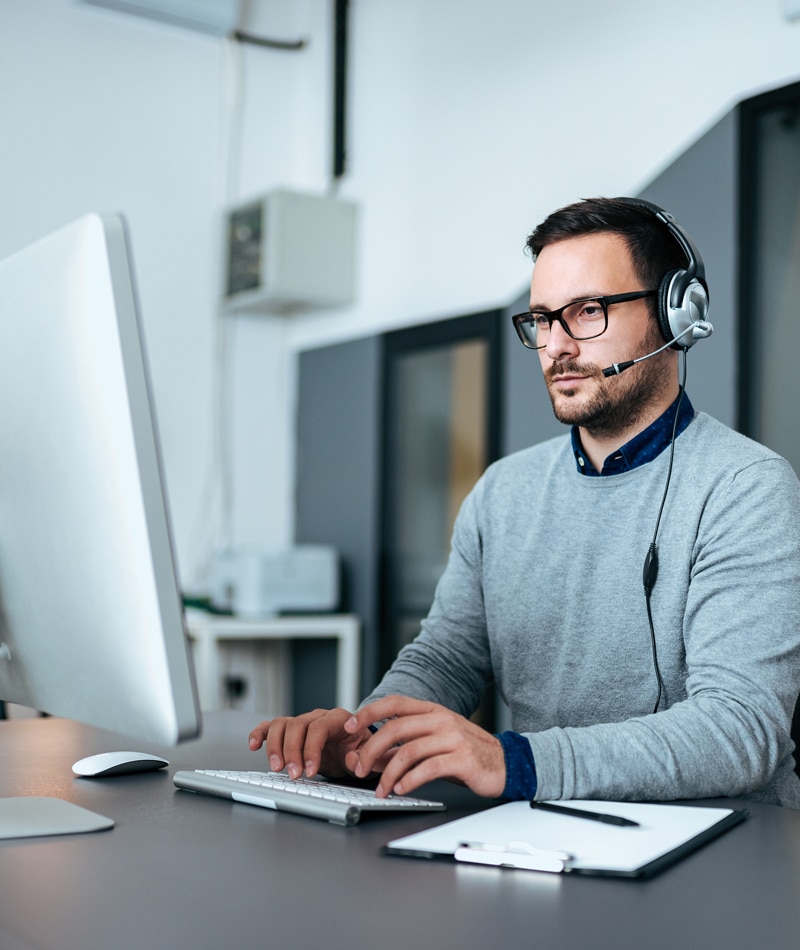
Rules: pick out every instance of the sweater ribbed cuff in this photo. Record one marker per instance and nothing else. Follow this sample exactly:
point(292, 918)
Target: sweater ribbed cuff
point(521, 782)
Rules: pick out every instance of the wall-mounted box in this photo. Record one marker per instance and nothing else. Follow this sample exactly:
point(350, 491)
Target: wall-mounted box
point(289, 251)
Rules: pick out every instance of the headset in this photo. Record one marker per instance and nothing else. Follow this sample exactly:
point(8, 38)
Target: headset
point(682, 301)
point(681, 314)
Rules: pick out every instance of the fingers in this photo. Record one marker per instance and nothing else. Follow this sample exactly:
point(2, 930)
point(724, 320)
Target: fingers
point(270, 733)
point(389, 707)
point(258, 735)
point(401, 741)
point(356, 767)
point(421, 742)
point(415, 764)
point(300, 743)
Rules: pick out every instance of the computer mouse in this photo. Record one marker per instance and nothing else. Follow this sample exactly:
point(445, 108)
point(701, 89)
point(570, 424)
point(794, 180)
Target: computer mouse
point(117, 763)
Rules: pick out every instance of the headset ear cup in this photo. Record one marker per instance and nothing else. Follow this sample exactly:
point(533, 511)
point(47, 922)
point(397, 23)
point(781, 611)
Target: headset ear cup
point(685, 305)
point(664, 311)
point(682, 295)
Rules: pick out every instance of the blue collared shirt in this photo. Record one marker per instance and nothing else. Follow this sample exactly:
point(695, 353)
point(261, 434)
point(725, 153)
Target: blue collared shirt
point(642, 448)
point(521, 779)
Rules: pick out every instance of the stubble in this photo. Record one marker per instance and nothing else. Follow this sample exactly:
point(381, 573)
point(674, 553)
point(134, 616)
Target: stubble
point(616, 404)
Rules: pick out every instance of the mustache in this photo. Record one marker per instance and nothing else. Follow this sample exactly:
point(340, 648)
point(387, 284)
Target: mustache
point(572, 368)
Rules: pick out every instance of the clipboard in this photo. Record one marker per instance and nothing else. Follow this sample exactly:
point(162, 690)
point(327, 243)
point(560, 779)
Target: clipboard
point(516, 836)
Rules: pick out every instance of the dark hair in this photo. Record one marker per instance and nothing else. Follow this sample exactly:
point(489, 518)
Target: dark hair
point(654, 251)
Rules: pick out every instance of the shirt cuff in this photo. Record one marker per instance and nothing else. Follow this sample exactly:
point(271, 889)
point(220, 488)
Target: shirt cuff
point(521, 782)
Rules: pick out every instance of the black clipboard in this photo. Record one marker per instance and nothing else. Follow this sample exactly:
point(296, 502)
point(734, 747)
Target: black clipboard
point(515, 836)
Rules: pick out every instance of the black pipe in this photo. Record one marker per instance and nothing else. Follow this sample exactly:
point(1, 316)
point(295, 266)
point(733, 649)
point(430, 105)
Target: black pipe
point(340, 87)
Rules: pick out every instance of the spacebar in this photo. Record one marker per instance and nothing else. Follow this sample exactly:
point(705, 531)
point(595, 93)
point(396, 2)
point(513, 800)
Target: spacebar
point(339, 813)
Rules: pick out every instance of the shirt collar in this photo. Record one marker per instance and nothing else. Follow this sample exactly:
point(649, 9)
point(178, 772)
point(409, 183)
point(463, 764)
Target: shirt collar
point(642, 448)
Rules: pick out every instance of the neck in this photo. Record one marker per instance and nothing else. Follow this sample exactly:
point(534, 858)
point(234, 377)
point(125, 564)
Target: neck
point(598, 444)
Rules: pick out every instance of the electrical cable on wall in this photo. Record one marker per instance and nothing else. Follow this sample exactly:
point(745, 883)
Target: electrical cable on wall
point(241, 36)
point(213, 521)
point(213, 527)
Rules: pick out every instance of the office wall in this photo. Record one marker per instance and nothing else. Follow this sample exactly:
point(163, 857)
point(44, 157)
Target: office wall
point(470, 121)
point(101, 114)
point(339, 494)
point(102, 111)
point(467, 122)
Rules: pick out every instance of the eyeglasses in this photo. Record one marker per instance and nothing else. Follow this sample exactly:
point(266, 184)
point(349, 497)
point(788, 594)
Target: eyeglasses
point(581, 319)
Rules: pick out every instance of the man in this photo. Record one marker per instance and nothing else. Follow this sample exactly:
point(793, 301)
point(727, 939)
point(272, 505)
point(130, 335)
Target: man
point(682, 690)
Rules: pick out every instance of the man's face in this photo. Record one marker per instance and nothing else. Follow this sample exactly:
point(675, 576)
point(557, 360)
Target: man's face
point(599, 265)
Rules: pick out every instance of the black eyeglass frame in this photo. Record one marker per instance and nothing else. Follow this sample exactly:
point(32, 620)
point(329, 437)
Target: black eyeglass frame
point(520, 319)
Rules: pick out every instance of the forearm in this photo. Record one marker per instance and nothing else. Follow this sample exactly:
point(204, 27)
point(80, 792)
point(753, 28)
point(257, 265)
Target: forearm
point(696, 749)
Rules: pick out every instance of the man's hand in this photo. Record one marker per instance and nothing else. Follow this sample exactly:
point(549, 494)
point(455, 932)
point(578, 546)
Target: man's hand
point(420, 742)
point(311, 743)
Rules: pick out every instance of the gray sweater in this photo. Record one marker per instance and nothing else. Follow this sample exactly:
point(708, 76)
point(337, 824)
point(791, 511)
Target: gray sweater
point(543, 593)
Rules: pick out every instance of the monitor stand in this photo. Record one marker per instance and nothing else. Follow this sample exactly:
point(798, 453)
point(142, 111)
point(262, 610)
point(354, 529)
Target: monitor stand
point(33, 816)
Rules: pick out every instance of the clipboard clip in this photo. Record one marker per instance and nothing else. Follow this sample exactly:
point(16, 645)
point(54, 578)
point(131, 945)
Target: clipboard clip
point(518, 855)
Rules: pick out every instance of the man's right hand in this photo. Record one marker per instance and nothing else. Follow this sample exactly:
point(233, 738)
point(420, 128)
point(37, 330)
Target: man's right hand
point(311, 743)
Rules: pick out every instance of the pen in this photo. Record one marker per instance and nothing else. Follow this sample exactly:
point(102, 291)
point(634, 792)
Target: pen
point(591, 815)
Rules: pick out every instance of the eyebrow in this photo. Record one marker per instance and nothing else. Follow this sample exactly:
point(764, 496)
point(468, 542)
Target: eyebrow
point(540, 308)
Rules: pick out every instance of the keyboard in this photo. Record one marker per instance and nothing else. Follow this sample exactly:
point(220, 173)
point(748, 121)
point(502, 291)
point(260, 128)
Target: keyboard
point(315, 797)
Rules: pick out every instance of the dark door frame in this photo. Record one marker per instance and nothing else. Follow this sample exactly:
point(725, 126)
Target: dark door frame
point(484, 325)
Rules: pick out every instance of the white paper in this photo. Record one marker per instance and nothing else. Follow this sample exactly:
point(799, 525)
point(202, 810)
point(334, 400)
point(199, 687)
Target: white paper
point(591, 844)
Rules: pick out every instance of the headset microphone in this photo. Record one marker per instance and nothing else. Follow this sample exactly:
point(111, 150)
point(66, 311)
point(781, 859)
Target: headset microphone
point(699, 330)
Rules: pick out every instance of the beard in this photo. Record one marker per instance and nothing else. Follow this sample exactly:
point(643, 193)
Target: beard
point(615, 404)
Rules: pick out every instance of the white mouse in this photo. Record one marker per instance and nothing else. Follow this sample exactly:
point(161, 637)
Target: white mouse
point(117, 763)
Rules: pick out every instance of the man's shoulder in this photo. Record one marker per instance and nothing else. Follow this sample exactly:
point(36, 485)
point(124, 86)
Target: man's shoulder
point(498, 492)
point(720, 458)
point(732, 446)
point(542, 453)
point(528, 464)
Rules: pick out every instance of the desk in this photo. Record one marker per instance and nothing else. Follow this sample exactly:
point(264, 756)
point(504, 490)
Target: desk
point(208, 632)
point(183, 871)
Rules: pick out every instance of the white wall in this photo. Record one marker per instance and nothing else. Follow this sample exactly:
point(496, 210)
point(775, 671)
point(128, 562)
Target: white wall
point(468, 121)
point(471, 120)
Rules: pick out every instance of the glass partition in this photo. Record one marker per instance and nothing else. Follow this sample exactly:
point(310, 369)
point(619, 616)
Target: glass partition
point(441, 431)
point(769, 319)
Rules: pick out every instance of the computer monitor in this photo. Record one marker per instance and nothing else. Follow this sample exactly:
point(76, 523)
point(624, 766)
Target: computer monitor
point(91, 620)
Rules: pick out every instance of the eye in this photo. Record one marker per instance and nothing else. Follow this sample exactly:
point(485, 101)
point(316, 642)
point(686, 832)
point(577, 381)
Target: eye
point(590, 310)
point(541, 321)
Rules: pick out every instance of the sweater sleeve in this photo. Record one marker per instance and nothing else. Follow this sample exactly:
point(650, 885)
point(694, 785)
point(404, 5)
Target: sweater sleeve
point(730, 735)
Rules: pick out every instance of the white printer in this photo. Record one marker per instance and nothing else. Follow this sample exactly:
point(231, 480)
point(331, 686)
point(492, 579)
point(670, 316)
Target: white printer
point(251, 582)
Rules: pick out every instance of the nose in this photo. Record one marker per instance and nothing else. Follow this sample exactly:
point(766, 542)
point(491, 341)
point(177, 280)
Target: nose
point(560, 344)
